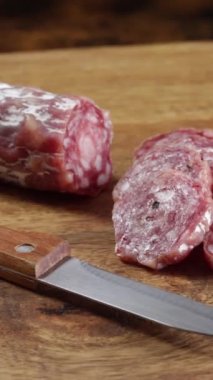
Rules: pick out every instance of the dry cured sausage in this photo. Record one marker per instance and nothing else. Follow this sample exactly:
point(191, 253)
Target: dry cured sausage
point(163, 204)
point(53, 142)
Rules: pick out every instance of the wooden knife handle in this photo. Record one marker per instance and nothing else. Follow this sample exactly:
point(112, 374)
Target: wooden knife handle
point(29, 255)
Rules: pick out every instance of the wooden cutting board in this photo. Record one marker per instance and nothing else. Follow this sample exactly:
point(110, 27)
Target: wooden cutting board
point(148, 90)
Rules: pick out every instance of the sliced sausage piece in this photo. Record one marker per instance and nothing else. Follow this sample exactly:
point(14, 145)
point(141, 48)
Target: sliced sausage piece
point(184, 159)
point(53, 142)
point(159, 220)
point(201, 140)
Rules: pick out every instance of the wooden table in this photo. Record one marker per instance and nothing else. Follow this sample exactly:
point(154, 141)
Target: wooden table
point(148, 90)
point(79, 23)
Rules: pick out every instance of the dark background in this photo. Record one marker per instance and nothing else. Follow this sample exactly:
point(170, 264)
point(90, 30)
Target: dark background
point(47, 24)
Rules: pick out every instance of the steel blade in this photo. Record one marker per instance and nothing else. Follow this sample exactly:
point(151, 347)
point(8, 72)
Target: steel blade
point(134, 297)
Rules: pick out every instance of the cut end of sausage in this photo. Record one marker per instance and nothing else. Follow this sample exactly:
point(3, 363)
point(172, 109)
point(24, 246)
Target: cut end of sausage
point(201, 140)
point(163, 203)
point(87, 146)
point(53, 142)
point(162, 220)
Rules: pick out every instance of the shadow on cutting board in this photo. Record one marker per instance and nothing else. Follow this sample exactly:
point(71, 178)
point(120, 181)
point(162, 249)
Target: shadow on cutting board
point(194, 264)
point(109, 320)
point(100, 205)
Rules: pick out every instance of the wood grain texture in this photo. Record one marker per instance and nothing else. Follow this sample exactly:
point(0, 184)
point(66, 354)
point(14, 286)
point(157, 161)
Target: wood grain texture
point(148, 90)
point(46, 251)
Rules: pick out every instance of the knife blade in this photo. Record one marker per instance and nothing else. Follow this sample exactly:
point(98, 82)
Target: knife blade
point(34, 260)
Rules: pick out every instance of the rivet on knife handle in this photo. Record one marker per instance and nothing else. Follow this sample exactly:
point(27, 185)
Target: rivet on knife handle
point(31, 254)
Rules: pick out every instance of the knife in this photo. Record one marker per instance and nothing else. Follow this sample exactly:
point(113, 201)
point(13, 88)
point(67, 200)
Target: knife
point(38, 261)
